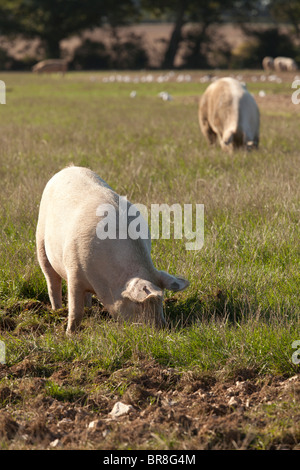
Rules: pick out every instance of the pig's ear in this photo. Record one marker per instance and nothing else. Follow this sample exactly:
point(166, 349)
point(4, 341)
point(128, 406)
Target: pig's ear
point(174, 283)
point(139, 290)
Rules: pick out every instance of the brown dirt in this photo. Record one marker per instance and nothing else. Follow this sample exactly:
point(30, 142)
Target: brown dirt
point(169, 410)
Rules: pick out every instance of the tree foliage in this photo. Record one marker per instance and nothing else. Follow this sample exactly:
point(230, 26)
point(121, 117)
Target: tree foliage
point(54, 20)
point(288, 11)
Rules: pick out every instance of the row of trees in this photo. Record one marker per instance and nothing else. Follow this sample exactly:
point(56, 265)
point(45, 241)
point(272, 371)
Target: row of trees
point(54, 20)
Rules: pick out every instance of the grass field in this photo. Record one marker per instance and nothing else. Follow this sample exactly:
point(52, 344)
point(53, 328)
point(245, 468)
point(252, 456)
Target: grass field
point(222, 375)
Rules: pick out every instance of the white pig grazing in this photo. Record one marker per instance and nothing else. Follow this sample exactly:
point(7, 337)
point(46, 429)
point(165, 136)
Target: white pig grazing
point(268, 63)
point(118, 271)
point(285, 64)
point(229, 113)
point(51, 66)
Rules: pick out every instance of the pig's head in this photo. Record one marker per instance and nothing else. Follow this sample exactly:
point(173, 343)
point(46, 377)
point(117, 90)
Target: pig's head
point(142, 300)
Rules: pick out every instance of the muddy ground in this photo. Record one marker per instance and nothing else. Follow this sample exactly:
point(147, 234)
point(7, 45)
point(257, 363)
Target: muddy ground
point(167, 410)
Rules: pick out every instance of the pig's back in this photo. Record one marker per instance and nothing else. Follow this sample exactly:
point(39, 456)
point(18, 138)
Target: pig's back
point(72, 184)
point(68, 212)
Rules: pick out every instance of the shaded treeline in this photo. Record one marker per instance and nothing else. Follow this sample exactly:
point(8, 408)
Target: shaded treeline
point(52, 21)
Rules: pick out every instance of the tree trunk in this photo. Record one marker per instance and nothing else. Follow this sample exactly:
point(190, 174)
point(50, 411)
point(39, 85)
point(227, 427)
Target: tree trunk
point(195, 59)
point(176, 37)
point(52, 47)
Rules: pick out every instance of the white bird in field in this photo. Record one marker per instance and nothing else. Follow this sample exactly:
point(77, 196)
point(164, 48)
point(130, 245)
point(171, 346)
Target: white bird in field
point(165, 96)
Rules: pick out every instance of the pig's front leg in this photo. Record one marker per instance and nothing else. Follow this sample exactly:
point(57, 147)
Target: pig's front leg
point(88, 300)
point(76, 297)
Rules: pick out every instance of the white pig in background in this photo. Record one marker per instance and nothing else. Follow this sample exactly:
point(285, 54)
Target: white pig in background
point(229, 113)
point(119, 271)
point(285, 64)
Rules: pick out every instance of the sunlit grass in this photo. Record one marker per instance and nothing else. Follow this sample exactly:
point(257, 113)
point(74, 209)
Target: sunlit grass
point(242, 307)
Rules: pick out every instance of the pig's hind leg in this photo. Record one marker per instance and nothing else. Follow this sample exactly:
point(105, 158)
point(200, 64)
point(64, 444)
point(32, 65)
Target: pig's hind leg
point(53, 279)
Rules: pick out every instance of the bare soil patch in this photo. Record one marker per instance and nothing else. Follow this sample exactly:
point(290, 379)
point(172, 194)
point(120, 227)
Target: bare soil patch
point(168, 409)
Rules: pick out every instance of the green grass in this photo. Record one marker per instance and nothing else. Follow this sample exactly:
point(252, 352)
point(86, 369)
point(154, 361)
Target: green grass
point(212, 347)
point(242, 306)
point(61, 393)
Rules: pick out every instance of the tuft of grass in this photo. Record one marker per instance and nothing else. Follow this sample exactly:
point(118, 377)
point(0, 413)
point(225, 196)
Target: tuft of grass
point(64, 393)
